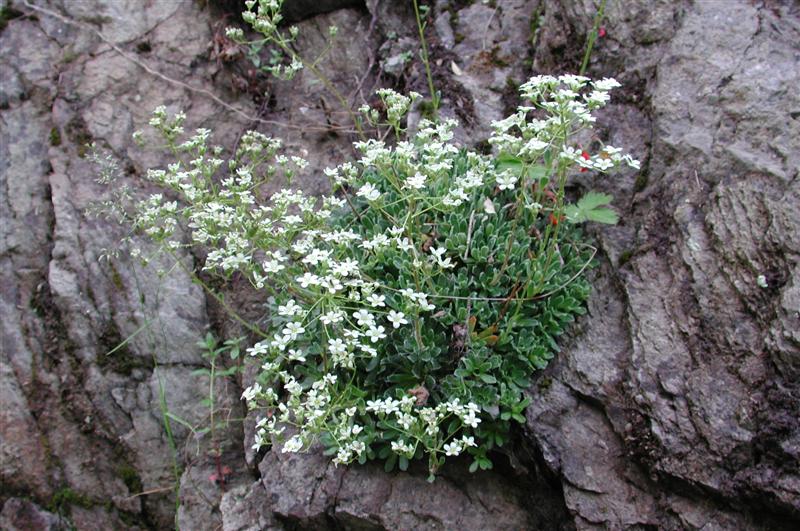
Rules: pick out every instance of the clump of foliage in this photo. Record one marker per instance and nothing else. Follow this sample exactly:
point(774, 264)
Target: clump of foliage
point(409, 309)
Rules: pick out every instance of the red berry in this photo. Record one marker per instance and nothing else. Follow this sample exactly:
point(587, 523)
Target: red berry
point(585, 155)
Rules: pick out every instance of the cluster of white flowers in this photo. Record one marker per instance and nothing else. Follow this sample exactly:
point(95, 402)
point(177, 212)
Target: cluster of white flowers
point(568, 102)
point(608, 158)
point(266, 19)
point(397, 105)
point(437, 256)
point(456, 446)
point(311, 410)
point(348, 434)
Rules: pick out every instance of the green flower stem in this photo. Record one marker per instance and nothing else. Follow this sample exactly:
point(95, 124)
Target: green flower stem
point(425, 58)
point(598, 19)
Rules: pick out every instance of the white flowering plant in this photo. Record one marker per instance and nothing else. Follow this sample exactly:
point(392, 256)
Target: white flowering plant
point(409, 309)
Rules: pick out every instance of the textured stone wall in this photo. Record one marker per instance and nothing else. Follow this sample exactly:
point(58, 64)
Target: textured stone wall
point(674, 403)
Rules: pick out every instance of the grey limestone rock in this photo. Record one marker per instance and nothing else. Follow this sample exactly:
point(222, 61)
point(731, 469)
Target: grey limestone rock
point(22, 515)
point(701, 387)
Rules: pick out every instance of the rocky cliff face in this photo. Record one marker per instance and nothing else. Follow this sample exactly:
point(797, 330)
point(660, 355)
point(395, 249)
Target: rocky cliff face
point(675, 403)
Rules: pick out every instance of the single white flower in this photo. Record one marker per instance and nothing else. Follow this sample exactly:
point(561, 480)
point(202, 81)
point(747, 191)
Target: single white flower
point(351, 334)
point(630, 161)
point(280, 342)
point(416, 182)
point(358, 447)
point(332, 284)
point(452, 448)
point(390, 406)
point(404, 244)
point(337, 346)
point(534, 145)
point(575, 82)
point(332, 317)
point(369, 192)
point(292, 330)
point(375, 333)
point(251, 392)
point(364, 318)
point(376, 300)
point(397, 318)
point(259, 348)
point(506, 181)
point(368, 350)
point(597, 97)
point(603, 164)
point(470, 419)
point(308, 280)
point(343, 456)
point(292, 387)
point(566, 94)
point(290, 309)
point(296, 355)
point(425, 305)
point(272, 266)
point(606, 84)
point(405, 420)
point(295, 444)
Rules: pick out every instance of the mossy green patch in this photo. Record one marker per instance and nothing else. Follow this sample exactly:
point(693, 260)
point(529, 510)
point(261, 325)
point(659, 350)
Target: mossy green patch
point(544, 383)
point(65, 498)
point(8, 13)
point(427, 109)
point(78, 133)
point(130, 477)
point(641, 182)
point(116, 278)
point(624, 257)
point(69, 56)
point(55, 137)
point(115, 356)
